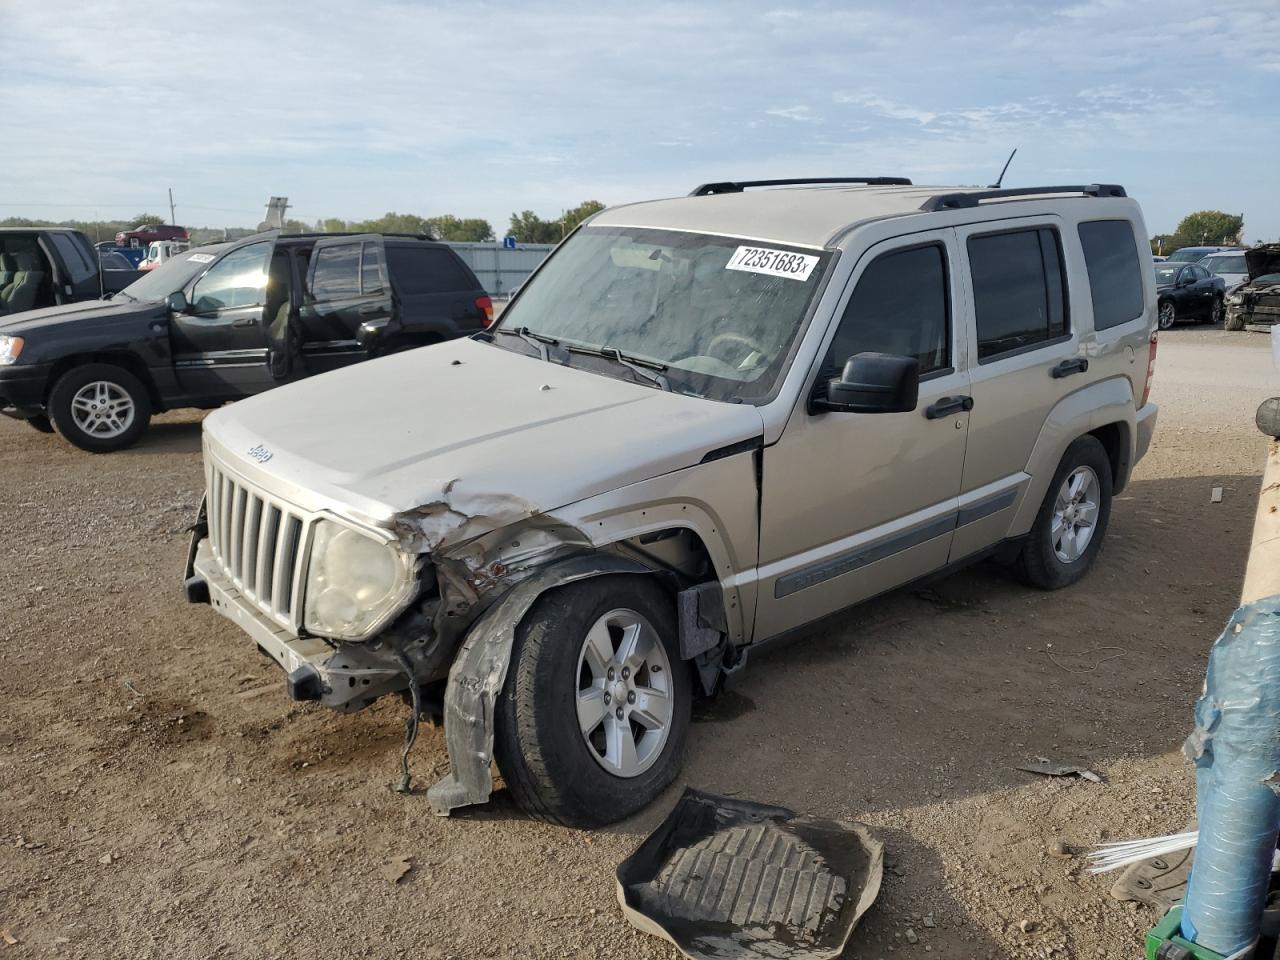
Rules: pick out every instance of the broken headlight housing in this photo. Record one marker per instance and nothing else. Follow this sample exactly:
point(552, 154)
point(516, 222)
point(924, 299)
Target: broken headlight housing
point(10, 347)
point(1235, 298)
point(355, 583)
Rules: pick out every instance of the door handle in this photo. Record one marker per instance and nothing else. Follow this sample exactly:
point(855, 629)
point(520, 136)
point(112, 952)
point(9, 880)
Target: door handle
point(1067, 367)
point(245, 322)
point(946, 406)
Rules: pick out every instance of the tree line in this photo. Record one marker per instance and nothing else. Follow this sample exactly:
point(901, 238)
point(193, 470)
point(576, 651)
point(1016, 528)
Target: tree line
point(526, 226)
point(1204, 228)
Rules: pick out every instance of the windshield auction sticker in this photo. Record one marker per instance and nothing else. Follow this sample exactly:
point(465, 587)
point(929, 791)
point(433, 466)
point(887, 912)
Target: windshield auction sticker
point(201, 257)
point(773, 263)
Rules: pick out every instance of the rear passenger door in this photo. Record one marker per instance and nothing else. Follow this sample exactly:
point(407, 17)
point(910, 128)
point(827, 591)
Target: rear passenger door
point(436, 293)
point(77, 272)
point(1024, 358)
point(348, 301)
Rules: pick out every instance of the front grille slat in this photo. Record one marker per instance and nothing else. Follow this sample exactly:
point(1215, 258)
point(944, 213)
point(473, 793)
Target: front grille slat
point(258, 543)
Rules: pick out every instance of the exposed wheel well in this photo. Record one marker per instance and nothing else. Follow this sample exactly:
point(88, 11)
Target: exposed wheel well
point(129, 361)
point(1114, 438)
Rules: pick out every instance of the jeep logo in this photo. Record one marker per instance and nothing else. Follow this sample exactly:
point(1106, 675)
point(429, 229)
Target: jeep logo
point(260, 453)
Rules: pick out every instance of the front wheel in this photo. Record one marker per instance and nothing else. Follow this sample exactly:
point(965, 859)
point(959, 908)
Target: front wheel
point(100, 407)
point(1072, 521)
point(594, 715)
point(1167, 315)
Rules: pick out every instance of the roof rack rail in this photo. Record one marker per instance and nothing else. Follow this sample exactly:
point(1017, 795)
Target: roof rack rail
point(737, 186)
point(958, 201)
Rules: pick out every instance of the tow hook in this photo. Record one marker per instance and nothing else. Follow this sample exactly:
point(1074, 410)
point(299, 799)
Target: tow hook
point(304, 683)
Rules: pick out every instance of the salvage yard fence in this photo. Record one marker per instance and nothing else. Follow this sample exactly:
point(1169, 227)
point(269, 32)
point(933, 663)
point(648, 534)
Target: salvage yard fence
point(500, 269)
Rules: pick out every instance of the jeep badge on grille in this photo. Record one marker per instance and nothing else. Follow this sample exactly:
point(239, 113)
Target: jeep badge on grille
point(260, 453)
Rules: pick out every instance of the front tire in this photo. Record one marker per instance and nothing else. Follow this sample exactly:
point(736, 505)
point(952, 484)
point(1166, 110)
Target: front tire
point(100, 407)
point(1167, 315)
point(1072, 521)
point(594, 715)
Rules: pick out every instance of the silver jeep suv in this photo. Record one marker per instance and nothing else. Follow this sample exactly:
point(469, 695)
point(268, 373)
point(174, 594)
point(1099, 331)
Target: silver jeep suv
point(704, 422)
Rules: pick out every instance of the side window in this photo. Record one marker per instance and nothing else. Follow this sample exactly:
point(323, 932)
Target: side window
point(901, 306)
point(1115, 277)
point(1199, 272)
point(237, 280)
point(337, 272)
point(421, 269)
point(78, 266)
point(371, 271)
point(1019, 291)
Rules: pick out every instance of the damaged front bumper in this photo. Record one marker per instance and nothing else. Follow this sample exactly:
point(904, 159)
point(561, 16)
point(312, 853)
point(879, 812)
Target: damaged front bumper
point(344, 677)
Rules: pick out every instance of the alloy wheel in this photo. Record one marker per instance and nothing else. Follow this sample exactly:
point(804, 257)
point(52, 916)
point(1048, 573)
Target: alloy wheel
point(1075, 513)
point(624, 693)
point(1167, 315)
point(102, 409)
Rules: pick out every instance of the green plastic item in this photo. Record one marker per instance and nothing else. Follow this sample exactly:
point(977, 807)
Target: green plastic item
point(1165, 942)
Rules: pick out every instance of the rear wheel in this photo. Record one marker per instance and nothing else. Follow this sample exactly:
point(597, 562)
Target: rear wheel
point(594, 715)
point(100, 407)
point(1167, 315)
point(1072, 521)
point(41, 423)
point(1215, 313)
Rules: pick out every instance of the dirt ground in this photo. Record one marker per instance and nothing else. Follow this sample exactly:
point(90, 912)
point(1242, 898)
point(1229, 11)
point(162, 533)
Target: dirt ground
point(161, 797)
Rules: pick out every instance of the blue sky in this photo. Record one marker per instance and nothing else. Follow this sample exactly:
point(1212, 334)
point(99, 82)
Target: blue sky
point(352, 109)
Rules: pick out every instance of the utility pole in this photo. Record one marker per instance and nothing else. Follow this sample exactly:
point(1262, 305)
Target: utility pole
point(172, 219)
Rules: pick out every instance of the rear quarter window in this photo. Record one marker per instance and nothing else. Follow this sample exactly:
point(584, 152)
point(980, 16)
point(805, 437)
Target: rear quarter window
point(1019, 292)
point(421, 269)
point(1115, 277)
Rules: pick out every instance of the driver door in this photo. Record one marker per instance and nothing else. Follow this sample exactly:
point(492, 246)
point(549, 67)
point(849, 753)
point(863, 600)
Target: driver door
point(855, 504)
point(220, 342)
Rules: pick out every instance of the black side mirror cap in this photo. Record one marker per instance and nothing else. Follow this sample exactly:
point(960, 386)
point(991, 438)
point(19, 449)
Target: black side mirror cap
point(177, 302)
point(873, 383)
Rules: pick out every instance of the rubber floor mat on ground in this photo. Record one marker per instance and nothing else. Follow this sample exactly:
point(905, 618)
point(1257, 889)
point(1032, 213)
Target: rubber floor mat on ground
point(724, 878)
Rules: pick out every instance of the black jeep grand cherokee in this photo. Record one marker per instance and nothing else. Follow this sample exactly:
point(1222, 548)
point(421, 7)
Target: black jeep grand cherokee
point(227, 320)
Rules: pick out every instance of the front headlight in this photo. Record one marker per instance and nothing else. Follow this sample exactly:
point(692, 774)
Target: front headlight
point(354, 582)
point(10, 347)
point(1235, 299)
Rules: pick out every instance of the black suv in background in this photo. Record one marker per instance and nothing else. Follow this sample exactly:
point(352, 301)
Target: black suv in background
point(46, 266)
point(224, 321)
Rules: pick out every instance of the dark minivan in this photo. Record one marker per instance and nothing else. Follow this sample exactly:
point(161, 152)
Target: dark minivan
point(224, 321)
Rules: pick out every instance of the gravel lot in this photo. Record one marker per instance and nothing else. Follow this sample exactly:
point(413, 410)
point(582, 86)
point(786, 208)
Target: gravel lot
point(160, 796)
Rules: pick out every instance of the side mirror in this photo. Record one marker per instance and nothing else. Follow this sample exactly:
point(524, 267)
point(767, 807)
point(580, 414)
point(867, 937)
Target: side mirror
point(177, 302)
point(874, 383)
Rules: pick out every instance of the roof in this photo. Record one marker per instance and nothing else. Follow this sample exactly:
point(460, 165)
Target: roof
point(803, 216)
point(40, 230)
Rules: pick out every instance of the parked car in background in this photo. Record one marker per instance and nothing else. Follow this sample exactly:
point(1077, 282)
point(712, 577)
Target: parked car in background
point(1192, 254)
point(143, 235)
point(161, 250)
point(45, 266)
point(702, 423)
point(1187, 291)
point(1158, 259)
point(117, 271)
point(1257, 300)
point(1229, 265)
point(227, 320)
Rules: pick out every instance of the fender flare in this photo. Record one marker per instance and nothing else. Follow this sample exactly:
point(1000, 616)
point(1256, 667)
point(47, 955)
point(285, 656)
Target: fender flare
point(479, 672)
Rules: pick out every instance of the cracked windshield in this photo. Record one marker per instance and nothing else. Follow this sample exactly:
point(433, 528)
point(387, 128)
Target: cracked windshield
point(700, 314)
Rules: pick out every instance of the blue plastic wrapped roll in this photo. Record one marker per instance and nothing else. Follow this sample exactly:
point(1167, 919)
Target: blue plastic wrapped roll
point(1236, 749)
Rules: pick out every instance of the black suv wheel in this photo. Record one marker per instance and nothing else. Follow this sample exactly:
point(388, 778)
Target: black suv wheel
point(100, 407)
point(594, 715)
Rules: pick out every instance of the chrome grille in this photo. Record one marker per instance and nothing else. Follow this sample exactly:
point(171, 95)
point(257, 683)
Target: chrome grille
point(258, 542)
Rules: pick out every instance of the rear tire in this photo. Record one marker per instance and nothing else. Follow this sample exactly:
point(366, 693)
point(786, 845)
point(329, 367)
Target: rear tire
point(100, 407)
point(1072, 521)
point(41, 423)
point(1215, 313)
point(1166, 315)
point(560, 742)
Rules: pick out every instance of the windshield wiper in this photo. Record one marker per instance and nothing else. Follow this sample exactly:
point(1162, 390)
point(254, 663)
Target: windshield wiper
point(121, 293)
point(640, 366)
point(539, 341)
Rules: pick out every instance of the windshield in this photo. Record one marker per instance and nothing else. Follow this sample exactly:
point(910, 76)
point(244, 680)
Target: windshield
point(1189, 254)
point(1167, 273)
point(1225, 264)
point(172, 275)
point(718, 315)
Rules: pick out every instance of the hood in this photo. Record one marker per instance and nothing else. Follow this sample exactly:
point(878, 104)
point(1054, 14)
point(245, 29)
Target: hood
point(1263, 259)
point(32, 321)
point(466, 421)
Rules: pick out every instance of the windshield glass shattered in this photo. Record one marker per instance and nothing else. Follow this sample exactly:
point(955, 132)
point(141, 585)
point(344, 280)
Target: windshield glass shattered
point(717, 315)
